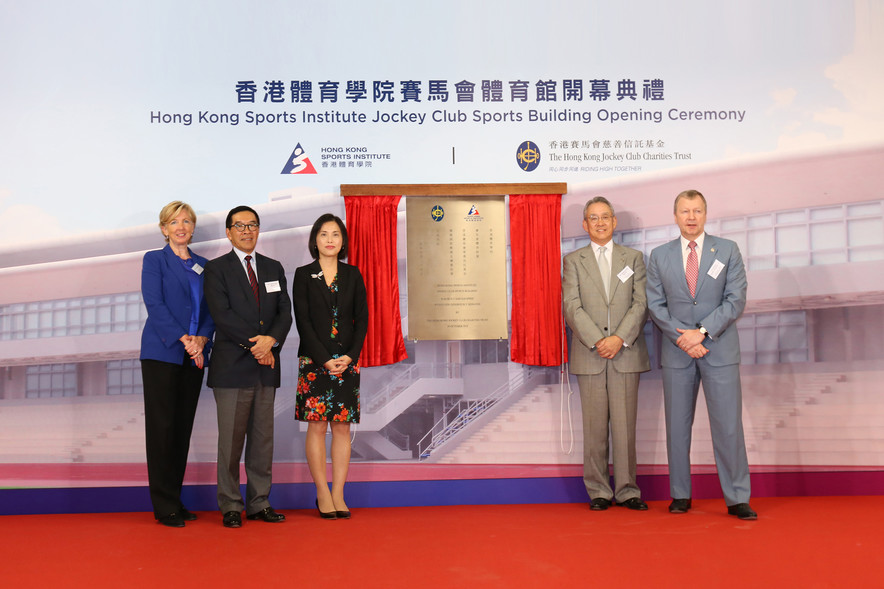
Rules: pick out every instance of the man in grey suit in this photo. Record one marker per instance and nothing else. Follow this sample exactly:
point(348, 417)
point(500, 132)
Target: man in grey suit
point(603, 290)
point(696, 292)
point(248, 299)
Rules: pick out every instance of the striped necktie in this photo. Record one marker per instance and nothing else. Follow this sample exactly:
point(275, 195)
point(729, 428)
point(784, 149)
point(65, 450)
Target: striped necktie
point(692, 270)
point(253, 280)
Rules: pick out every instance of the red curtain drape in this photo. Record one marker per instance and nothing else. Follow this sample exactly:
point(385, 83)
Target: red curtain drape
point(371, 227)
point(536, 246)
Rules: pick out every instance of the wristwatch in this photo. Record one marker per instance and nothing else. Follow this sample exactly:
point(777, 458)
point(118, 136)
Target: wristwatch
point(704, 331)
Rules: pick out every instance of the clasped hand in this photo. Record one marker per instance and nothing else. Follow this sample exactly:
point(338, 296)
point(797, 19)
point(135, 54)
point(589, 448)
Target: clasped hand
point(262, 350)
point(607, 347)
point(691, 342)
point(337, 366)
point(193, 345)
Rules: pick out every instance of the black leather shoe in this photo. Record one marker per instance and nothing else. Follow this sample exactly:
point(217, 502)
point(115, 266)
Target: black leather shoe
point(327, 514)
point(343, 514)
point(599, 504)
point(186, 515)
point(742, 511)
point(173, 520)
point(232, 519)
point(679, 506)
point(268, 515)
point(635, 504)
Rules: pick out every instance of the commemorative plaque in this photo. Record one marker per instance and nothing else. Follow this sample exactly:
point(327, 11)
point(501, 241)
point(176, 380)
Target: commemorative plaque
point(456, 265)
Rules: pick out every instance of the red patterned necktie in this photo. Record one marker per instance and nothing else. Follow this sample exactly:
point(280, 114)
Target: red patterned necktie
point(253, 280)
point(692, 270)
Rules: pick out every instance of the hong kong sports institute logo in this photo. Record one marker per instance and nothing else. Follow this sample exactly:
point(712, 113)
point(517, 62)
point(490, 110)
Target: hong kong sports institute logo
point(298, 163)
point(528, 156)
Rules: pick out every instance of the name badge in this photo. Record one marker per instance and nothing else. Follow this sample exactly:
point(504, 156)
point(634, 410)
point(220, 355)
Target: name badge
point(625, 274)
point(715, 270)
point(197, 268)
point(272, 286)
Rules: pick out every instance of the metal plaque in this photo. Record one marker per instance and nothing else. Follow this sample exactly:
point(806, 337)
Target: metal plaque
point(456, 267)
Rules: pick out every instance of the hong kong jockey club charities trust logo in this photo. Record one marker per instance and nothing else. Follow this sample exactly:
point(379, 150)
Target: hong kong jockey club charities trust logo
point(298, 163)
point(437, 213)
point(528, 156)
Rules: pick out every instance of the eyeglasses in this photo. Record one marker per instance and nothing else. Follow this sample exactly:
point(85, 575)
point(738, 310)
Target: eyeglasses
point(241, 227)
point(595, 218)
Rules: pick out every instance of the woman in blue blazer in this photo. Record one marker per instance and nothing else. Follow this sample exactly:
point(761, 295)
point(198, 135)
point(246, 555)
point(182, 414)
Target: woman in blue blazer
point(175, 346)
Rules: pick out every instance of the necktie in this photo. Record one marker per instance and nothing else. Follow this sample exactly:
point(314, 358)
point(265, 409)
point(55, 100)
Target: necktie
point(605, 270)
point(253, 280)
point(692, 270)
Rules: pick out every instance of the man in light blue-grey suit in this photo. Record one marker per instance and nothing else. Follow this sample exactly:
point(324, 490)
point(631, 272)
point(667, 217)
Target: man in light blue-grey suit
point(696, 291)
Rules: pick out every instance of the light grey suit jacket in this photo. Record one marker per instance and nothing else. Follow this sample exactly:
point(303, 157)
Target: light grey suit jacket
point(591, 317)
point(718, 303)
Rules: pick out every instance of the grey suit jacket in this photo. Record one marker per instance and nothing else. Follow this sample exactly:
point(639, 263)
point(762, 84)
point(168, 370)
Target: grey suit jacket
point(718, 302)
point(591, 317)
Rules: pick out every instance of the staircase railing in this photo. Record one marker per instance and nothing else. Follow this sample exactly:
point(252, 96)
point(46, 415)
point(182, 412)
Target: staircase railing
point(462, 414)
point(405, 379)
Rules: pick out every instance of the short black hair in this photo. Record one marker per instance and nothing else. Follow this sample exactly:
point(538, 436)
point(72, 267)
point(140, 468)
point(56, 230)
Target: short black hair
point(311, 245)
point(240, 209)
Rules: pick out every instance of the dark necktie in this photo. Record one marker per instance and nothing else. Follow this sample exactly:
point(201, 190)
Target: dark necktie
point(692, 270)
point(253, 280)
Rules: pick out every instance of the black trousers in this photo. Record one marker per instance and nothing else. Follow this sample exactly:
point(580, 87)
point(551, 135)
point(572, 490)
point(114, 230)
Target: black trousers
point(171, 394)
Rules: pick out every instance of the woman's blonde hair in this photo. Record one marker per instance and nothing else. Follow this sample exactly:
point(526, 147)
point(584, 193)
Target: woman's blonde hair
point(172, 210)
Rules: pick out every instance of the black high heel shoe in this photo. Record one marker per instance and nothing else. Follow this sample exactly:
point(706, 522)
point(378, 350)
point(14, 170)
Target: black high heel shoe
point(343, 514)
point(328, 514)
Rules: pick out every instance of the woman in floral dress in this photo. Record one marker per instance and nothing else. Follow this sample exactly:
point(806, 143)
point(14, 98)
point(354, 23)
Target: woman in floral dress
point(331, 314)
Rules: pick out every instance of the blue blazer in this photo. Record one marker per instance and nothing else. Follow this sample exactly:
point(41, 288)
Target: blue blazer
point(166, 292)
point(718, 302)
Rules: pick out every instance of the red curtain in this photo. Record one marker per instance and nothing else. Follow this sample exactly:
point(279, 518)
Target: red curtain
point(536, 246)
point(371, 227)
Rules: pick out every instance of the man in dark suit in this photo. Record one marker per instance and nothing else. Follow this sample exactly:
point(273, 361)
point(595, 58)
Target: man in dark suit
point(696, 292)
point(248, 299)
point(603, 290)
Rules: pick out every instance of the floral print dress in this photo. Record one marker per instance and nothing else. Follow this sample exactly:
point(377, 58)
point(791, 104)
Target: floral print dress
point(323, 396)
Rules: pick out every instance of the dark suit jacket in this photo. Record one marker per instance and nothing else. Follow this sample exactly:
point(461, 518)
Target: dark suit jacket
point(235, 311)
point(165, 290)
point(313, 313)
point(718, 302)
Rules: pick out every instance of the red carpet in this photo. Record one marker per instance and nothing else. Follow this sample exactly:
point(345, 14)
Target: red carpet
point(797, 542)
